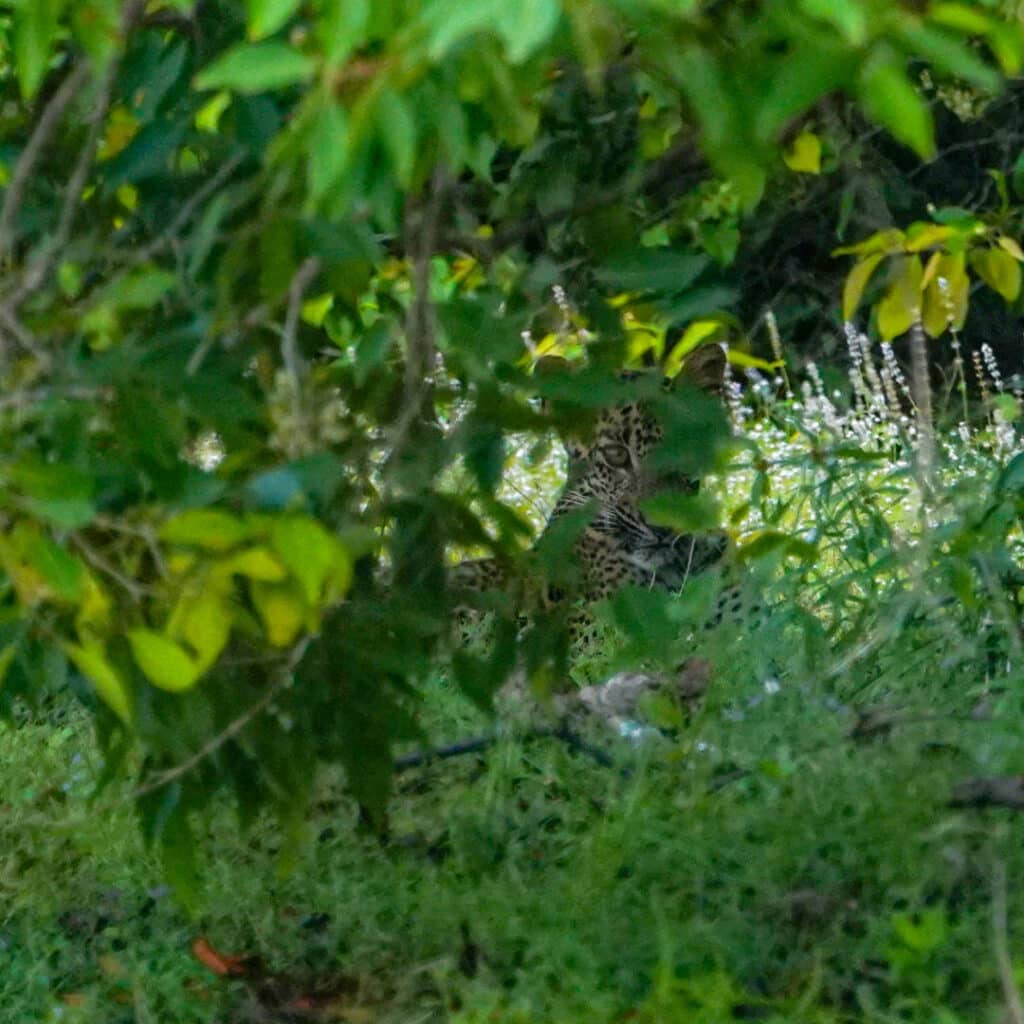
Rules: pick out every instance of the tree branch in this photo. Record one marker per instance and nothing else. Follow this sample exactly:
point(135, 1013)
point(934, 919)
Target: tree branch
point(51, 116)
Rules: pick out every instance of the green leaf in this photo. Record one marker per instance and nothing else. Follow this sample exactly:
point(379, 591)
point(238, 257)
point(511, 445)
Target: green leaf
point(206, 528)
point(281, 609)
point(686, 513)
point(328, 149)
point(892, 100)
point(36, 24)
point(256, 563)
point(850, 18)
point(804, 154)
point(664, 270)
point(950, 54)
point(397, 127)
point(999, 270)
point(165, 663)
point(140, 289)
point(91, 660)
point(342, 27)
point(901, 304)
point(204, 621)
point(1012, 246)
point(946, 293)
point(267, 16)
point(61, 570)
point(526, 26)
point(447, 24)
point(97, 26)
point(58, 493)
point(257, 67)
point(856, 282)
point(313, 556)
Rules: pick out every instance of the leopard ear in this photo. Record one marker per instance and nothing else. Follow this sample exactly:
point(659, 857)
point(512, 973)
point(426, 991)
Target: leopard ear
point(705, 367)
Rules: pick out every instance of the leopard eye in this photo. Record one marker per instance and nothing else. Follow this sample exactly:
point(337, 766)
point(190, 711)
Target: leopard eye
point(616, 455)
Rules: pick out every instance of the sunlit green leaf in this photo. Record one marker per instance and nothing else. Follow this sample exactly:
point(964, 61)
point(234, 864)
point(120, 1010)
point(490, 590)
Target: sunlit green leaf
point(91, 660)
point(267, 16)
point(893, 101)
point(165, 663)
point(257, 67)
point(36, 23)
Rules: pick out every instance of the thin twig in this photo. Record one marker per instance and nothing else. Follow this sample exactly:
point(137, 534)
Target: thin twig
point(282, 682)
point(37, 272)
point(136, 591)
point(24, 338)
point(187, 212)
point(290, 355)
point(1001, 945)
point(44, 129)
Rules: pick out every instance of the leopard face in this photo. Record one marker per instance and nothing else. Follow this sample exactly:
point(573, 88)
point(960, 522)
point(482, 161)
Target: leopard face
point(609, 473)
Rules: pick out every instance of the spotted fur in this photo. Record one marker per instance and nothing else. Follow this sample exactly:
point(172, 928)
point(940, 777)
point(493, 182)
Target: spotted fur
point(609, 473)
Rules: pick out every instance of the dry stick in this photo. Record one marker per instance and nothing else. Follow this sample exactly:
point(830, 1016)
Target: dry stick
point(48, 121)
point(1001, 945)
point(233, 728)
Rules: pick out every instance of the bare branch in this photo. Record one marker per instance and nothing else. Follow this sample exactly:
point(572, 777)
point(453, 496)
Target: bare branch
point(51, 116)
point(38, 271)
point(290, 355)
point(23, 337)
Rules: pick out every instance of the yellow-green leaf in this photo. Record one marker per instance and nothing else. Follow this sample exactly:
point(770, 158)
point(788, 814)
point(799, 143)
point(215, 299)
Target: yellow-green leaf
point(888, 240)
point(856, 282)
point(204, 622)
point(281, 609)
point(999, 270)
point(257, 563)
point(946, 291)
point(804, 154)
point(312, 555)
point(165, 663)
point(1012, 247)
point(901, 304)
point(206, 528)
point(91, 660)
point(922, 235)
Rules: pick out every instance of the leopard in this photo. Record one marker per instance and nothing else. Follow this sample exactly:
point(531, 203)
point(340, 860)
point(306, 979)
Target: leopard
point(608, 478)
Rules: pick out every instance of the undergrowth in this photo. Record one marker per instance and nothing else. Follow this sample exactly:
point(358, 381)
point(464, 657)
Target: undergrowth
point(800, 846)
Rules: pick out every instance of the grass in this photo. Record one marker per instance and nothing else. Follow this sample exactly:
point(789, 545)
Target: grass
point(791, 853)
